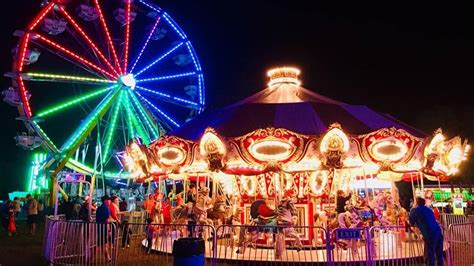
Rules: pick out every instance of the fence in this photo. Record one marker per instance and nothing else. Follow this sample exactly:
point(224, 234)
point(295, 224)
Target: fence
point(81, 243)
point(448, 219)
point(460, 238)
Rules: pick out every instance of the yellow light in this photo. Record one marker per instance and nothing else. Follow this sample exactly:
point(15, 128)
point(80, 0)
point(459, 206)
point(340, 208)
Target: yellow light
point(211, 144)
point(304, 166)
point(455, 156)
point(285, 74)
point(249, 184)
point(318, 181)
point(271, 150)
point(436, 144)
point(335, 139)
point(390, 150)
point(171, 155)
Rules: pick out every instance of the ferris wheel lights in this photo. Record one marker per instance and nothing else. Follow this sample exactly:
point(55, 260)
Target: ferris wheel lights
point(41, 15)
point(187, 74)
point(159, 59)
point(150, 35)
point(129, 81)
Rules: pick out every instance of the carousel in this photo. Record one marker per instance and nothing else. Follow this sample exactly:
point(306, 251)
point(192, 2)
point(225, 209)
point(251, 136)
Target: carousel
point(285, 155)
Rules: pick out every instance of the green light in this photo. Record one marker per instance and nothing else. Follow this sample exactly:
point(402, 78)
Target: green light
point(89, 120)
point(147, 119)
point(131, 132)
point(72, 102)
point(111, 130)
point(67, 77)
point(37, 181)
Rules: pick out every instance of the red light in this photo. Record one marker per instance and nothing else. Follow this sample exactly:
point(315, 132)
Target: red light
point(127, 35)
point(26, 106)
point(75, 56)
point(22, 52)
point(41, 15)
point(107, 33)
point(91, 43)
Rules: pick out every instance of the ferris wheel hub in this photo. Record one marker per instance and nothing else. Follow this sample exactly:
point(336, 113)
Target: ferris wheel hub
point(128, 81)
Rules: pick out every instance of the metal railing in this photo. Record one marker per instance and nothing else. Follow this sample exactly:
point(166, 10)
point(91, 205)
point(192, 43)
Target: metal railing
point(460, 238)
point(83, 243)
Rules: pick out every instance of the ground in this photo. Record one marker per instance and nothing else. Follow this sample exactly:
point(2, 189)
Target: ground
point(22, 248)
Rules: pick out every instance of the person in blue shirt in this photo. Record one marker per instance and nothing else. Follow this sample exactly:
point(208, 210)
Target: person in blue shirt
point(102, 219)
point(424, 218)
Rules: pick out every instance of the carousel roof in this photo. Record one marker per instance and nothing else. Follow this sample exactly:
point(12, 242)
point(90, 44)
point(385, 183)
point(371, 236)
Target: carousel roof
point(285, 104)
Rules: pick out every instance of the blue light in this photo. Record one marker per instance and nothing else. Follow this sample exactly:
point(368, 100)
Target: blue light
point(158, 110)
point(173, 25)
point(167, 77)
point(146, 44)
point(190, 50)
point(167, 96)
point(150, 6)
point(159, 59)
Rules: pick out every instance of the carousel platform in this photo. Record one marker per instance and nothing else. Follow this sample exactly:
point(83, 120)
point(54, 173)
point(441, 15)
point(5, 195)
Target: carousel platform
point(400, 251)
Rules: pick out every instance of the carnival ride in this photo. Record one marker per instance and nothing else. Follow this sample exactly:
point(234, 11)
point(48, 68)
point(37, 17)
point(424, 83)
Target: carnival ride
point(89, 76)
point(288, 139)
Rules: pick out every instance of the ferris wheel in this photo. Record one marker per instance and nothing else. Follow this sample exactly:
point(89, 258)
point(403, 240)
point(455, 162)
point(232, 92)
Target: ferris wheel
point(91, 75)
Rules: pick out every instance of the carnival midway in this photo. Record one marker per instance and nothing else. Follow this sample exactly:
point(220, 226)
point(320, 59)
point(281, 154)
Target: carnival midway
point(142, 176)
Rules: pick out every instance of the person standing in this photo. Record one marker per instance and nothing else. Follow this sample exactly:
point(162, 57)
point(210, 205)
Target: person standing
point(102, 218)
point(341, 201)
point(123, 206)
point(424, 218)
point(32, 213)
point(11, 219)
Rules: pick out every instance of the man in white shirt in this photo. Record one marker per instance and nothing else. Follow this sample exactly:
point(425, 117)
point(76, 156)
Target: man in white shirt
point(32, 213)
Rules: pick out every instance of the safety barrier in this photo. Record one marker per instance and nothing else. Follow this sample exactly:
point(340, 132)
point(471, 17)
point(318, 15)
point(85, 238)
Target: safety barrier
point(82, 243)
point(448, 219)
point(460, 238)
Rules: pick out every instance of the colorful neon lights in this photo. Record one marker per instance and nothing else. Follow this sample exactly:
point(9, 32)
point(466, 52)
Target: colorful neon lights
point(37, 181)
point(71, 103)
point(66, 77)
point(142, 112)
point(127, 36)
point(159, 59)
point(86, 37)
point(126, 103)
point(172, 24)
point(159, 111)
point(75, 56)
point(41, 15)
point(107, 34)
point(187, 74)
point(167, 96)
point(145, 45)
point(27, 108)
point(111, 129)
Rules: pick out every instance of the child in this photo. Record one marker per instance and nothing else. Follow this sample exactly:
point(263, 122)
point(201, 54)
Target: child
point(126, 234)
point(150, 231)
point(11, 220)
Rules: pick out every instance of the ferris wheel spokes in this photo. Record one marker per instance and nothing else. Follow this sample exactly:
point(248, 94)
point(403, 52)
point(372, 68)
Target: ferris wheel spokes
point(145, 45)
point(160, 112)
point(111, 128)
point(107, 34)
point(70, 103)
point(127, 35)
point(159, 59)
point(47, 77)
point(174, 76)
point(145, 116)
point(74, 55)
point(88, 39)
point(171, 99)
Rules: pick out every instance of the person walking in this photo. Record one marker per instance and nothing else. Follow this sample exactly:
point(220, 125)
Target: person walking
point(424, 218)
point(32, 213)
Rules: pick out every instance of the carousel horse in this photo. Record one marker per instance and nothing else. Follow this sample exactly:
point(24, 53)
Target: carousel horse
point(268, 220)
point(156, 212)
point(203, 204)
point(219, 212)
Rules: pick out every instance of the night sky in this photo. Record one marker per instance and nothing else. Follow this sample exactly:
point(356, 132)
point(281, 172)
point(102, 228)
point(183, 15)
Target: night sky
point(411, 60)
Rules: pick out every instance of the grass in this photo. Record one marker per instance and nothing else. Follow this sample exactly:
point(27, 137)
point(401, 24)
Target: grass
point(22, 248)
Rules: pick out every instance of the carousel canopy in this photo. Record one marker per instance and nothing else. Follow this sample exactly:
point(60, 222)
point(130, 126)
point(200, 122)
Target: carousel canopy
point(299, 135)
point(285, 104)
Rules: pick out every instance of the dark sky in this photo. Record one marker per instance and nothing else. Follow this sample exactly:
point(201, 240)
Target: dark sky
point(412, 60)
